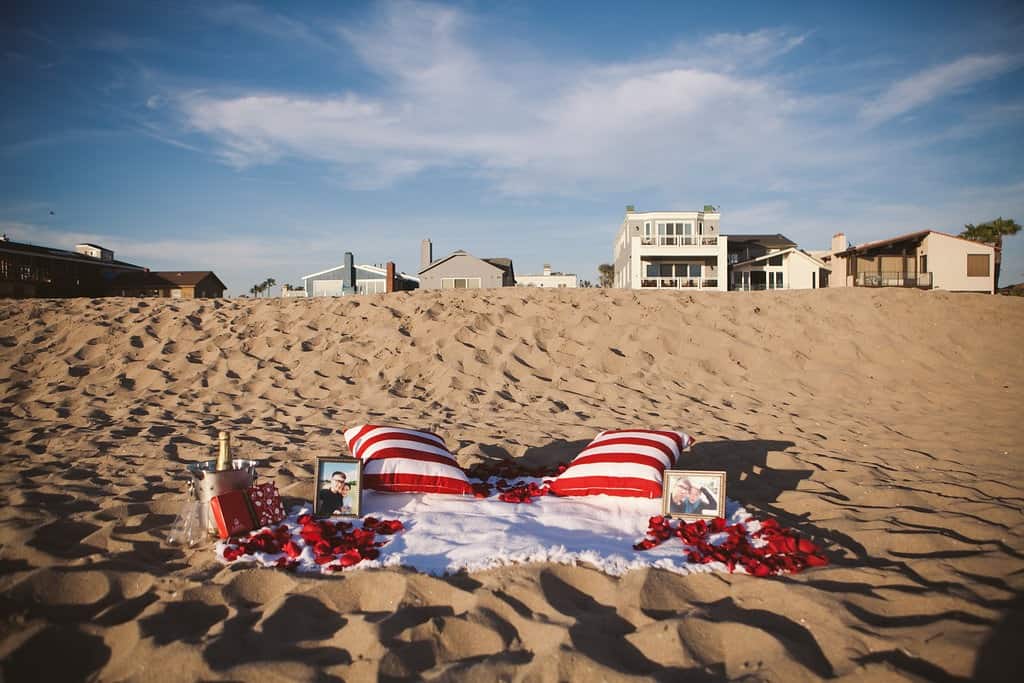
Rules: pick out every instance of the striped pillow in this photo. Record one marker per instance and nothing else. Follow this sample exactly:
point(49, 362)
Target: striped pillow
point(402, 460)
point(622, 462)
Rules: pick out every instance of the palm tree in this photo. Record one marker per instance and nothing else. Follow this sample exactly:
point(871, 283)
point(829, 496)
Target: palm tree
point(607, 273)
point(992, 233)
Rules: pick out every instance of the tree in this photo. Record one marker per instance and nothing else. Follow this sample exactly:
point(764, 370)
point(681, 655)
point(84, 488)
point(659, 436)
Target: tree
point(607, 273)
point(992, 233)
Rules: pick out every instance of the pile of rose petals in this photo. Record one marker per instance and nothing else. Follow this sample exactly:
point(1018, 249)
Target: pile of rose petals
point(772, 549)
point(333, 544)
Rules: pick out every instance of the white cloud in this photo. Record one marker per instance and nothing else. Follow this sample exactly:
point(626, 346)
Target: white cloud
point(529, 125)
point(931, 84)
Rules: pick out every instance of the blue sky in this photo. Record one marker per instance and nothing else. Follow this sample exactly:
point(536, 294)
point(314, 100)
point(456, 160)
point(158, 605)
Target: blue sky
point(266, 140)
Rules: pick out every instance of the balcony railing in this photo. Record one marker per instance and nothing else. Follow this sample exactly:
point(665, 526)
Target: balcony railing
point(759, 287)
point(679, 283)
point(894, 279)
point(679, 241)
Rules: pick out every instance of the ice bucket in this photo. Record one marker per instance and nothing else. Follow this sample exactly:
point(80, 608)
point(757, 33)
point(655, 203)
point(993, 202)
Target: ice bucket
point(207, 482)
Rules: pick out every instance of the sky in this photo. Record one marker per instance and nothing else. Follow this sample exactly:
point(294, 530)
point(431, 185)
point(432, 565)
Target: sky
point(265, 140)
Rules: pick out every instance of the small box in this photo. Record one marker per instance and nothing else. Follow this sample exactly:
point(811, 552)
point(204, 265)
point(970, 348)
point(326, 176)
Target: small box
point(233, 513)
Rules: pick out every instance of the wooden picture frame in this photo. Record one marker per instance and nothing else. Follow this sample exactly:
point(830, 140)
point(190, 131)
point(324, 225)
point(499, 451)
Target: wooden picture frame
point(693, 494)
point(331, 499)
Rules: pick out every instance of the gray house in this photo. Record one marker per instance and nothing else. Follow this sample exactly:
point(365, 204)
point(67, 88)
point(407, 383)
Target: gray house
point(462, 270)
point(348, 279)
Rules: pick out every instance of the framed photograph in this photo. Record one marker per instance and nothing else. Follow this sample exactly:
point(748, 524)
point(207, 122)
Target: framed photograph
point(693, 494)
point(338, 490)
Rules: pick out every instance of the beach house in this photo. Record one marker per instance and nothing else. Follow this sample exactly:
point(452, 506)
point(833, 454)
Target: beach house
point(773, 262)
point(671, 250)
point(175, 284)
point(548, 278)
point(29, 270)
point(927, 259)
point(348, 278)
point(462, 270)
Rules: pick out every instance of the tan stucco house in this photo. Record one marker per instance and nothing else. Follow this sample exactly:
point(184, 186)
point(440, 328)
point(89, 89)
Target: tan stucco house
point(927, 259)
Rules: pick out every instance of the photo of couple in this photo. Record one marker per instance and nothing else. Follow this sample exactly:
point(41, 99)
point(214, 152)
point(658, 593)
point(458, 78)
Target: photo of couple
point(337, 491)
point(694, 494)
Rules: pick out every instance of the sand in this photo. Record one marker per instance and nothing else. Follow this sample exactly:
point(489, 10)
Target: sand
point(884, 425)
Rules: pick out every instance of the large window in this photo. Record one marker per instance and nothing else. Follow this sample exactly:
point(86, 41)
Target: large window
point(371, 286)
point(460, 283)
point(977, 265)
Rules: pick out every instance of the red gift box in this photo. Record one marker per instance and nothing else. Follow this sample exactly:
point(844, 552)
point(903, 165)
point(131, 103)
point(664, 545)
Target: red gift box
point(239, 511)
point(233, 513)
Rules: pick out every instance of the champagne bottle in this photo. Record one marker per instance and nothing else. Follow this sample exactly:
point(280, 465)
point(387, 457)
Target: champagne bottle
point(224, 455)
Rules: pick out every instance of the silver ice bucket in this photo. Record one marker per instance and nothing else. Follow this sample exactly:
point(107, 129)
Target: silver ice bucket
point(207, 482)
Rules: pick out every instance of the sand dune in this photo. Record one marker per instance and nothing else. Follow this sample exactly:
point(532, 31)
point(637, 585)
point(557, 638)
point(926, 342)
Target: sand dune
point(885, 425)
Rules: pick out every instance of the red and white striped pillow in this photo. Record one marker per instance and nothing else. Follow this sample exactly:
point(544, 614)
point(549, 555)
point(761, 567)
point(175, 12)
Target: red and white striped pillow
point(402, 460)
point(622, 462)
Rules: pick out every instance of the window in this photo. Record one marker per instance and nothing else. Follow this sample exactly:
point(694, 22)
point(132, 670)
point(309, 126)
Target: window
point(652, 270)
point(924, 263)
point(977, 265)
point(371, 286)
point(775, 261)
point(460, 283)
point(694, 270)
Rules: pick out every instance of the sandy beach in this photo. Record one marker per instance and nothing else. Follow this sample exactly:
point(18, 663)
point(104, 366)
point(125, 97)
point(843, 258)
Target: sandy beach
point(882, 424)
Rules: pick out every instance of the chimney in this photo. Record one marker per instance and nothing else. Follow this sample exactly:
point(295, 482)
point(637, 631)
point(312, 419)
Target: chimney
point(838, 242)
point(426, 254)
point(547, 269)
point(389, 277)
point(348, 278)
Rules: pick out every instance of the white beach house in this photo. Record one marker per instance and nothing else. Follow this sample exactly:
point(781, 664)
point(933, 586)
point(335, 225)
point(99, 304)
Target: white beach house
point(671, 250)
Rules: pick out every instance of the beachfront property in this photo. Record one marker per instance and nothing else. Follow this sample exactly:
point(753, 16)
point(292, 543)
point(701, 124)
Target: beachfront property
point(29, 270)
point(926, 259)
point(759, 262)
point(671, 250)
point(462, 270)
point(548, 278)
point(181, 284)
point(348, 279)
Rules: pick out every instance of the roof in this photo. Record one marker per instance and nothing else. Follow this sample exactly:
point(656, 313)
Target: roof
point(459, 252)
point(791, 250)
point(64, 254)
point(920, 234)
point(776, 240)
point(372, 269)
point(90, 244)
point(503, 263)
point(165, 278)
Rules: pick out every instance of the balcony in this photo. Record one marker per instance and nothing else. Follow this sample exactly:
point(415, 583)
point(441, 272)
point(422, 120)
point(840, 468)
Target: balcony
point(679, 241)
point(894, 279)
point(679, 283)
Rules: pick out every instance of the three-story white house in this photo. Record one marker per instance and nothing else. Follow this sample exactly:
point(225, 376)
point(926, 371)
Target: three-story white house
point(671, 250)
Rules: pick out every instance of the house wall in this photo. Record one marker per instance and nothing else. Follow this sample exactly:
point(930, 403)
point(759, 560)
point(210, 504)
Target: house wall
point(800, 272)
point(462, 265)
point(947, 261)
point(546, 281)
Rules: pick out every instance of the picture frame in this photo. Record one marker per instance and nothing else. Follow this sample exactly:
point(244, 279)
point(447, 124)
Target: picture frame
point(693, 494)
point(331, 499)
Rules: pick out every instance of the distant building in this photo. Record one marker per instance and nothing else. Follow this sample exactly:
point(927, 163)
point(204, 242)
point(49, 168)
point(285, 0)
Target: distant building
point(773, 262)
point(348, 279)
point(182, 284)
point(28, 270)
point(671, 250)
point(293, 293)
point(926, 259)
point(547, 279)
point(462, 270)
